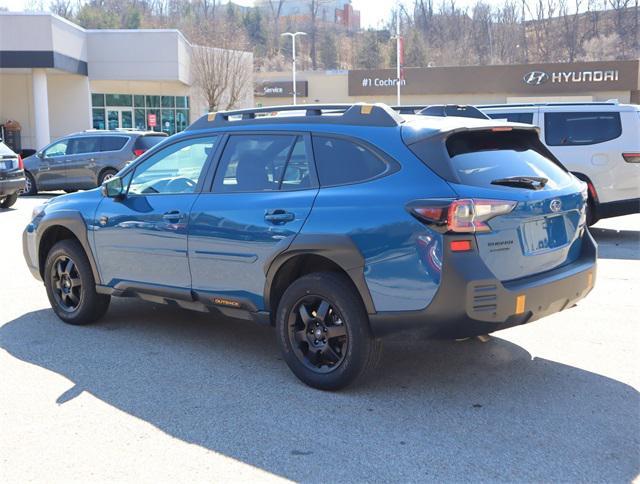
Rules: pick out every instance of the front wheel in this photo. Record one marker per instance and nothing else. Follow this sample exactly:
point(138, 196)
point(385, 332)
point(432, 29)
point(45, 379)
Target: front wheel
point(70, 285)
point(106, 175)
point(323, 331)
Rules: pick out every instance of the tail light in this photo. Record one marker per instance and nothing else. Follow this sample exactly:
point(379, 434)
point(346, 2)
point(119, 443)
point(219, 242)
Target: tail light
point(138, 152)
point(631, 157)
point(460, 216)
point(20, 163)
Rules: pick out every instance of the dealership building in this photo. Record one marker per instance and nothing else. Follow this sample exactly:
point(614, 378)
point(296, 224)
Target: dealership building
point(57, 78)
point(567, 82)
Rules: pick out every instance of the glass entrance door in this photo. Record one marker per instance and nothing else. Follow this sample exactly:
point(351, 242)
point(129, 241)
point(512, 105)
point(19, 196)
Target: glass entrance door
point(118, 118)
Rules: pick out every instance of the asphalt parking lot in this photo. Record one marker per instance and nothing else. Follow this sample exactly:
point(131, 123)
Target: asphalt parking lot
point(153, 393)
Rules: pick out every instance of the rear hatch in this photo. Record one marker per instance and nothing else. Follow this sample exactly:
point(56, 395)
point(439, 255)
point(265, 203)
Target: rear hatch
point(10, 163)
point(542, 227)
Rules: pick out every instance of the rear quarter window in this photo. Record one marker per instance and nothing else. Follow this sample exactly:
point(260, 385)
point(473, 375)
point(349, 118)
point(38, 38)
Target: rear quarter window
point(580, 128)
point(341, 161)
point(113, 143)
point(148, 142)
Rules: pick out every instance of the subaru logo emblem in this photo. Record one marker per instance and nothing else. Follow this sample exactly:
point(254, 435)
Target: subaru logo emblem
point(555, 205)
point(535, 78)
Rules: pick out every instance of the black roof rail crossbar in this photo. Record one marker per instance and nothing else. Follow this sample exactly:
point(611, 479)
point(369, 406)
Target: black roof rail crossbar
point(409, 108)
point(354, 114)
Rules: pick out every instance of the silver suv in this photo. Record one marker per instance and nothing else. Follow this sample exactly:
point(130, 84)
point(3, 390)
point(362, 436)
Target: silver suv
point(85, 160)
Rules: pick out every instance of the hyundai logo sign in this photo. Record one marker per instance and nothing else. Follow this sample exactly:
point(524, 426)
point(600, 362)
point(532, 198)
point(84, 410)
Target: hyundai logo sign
point(555, 205)
point(535, 78)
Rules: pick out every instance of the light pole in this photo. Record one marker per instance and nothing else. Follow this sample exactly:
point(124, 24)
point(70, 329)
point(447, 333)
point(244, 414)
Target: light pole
point(293, 40)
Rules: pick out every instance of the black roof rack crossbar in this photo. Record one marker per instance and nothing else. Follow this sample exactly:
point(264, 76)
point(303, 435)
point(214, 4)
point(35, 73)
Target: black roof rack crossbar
point(359, 114)
point(409, 108)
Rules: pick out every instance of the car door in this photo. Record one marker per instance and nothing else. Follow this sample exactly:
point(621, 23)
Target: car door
point(81, 159)
point(264, 187)
point(141, 239)
point(51, 172)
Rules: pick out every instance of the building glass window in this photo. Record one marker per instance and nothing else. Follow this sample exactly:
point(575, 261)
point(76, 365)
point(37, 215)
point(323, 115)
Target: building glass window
point(171, 112)
point(168, 102)
point(169, 121)
point(98, 119)
point(153, 101)
point(97, 99)
point(119, 99)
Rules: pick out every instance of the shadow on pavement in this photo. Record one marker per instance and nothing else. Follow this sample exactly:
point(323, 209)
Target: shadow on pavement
point(433, 411)
point(617, 244)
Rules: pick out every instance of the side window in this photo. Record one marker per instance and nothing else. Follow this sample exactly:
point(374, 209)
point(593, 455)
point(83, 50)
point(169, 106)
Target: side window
point(341, 161)
point(571, 129)
point(59, 148)
point(257, 163)
point(526, 118)
point(84, 144)
point(175, 169)
point(113, 143)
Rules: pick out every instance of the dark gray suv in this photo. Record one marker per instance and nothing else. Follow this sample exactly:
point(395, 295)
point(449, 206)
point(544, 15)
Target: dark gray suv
point(85, 160)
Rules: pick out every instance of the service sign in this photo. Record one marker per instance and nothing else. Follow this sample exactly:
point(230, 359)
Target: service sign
point(281, 89)
point(516, 79)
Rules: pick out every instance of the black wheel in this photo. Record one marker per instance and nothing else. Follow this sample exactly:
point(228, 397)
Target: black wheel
point(70, 284)
point(107, 174)
point(9, 200)
point(30, 187)
point(323, 331)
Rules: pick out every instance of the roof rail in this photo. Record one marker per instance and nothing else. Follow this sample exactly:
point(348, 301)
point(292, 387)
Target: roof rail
point(359, 114)
point(530, 105)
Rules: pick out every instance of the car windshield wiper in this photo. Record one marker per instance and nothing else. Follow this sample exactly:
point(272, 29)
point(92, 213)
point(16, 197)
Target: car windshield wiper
point(530, 182)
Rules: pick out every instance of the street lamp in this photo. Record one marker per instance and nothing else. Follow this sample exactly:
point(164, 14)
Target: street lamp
point(293, 40)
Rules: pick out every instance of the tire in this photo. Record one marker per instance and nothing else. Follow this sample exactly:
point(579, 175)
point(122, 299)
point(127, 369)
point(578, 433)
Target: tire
point(592, 213)
point(30, 187)
point(72, 289)
point(105, 175)
point(316, 358)
point(9, 200)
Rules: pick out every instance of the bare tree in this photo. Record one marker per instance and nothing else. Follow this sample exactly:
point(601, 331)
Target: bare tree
point(221, 75)
point(570, 28)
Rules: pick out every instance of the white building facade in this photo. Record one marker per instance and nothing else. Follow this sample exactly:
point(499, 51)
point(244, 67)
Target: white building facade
point(57, 78)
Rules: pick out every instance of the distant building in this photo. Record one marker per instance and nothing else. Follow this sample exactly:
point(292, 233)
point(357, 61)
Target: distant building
point(339, 12)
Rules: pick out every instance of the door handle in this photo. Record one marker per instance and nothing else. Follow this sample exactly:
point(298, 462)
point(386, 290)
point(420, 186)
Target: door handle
point(279, 216)
point(173, 216)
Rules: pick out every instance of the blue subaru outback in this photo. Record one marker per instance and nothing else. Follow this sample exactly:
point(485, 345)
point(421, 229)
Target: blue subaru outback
point(338, 224)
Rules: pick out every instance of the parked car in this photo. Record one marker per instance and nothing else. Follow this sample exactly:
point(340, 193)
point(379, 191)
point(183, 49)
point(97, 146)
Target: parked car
point(598, 142)
point(85, 160)
point(11, 176)
point(442, 110)
point(339, 229)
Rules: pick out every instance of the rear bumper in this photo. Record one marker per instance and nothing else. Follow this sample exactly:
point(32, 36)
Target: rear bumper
point(618, 208)
point(470, 301)
point(10, 186)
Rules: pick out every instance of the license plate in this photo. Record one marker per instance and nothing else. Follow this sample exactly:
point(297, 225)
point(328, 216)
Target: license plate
point(544, 234)
point(6, 164)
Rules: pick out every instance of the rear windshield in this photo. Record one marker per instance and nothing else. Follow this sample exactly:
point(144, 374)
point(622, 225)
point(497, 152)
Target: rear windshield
point(147, 142)
point(5, 150)
point(478, 158)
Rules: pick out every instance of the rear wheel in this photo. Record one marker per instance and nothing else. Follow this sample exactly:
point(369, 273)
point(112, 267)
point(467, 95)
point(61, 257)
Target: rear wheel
point(9, 200)
point(323, 331)
point(106, 175)
point(70, 284)
point(592, 216)
point(30, 187)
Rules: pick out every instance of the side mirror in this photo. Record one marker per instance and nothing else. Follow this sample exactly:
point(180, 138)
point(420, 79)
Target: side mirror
point(113, 188)
point(40, 154)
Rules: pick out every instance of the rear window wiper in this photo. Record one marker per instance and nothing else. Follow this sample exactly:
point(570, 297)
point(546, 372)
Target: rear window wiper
point(530, 182)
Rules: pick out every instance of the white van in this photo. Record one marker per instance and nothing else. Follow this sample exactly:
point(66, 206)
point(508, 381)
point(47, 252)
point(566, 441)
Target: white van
point(598, 142)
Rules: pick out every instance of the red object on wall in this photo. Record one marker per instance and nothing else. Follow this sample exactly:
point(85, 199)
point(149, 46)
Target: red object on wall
point(152, 121)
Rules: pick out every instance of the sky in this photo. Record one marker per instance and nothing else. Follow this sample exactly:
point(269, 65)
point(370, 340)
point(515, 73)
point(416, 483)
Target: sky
point(372, 12)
